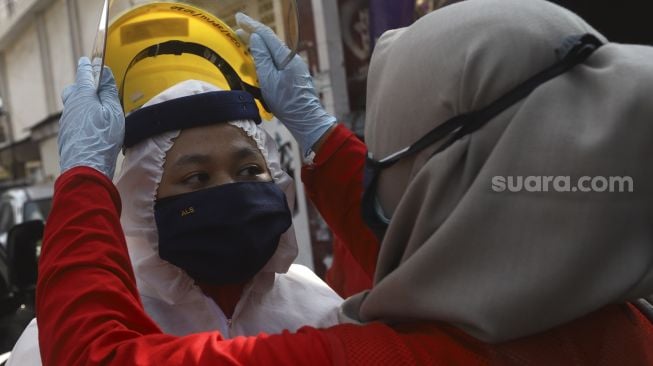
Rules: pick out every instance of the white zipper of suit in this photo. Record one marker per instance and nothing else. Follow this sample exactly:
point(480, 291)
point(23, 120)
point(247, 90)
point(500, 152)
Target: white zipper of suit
point(226, 324)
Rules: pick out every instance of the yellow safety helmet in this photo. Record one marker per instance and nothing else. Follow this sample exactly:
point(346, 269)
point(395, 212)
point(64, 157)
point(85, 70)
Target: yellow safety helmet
point(152, 47)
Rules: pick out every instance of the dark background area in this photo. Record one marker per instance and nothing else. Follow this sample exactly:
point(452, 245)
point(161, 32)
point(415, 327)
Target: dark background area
point(625, 21)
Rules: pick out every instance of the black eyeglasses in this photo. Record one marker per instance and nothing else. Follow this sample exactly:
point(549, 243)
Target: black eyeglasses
point(574, 50)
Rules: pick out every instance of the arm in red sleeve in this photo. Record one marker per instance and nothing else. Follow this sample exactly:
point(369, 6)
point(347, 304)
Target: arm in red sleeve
point(89, 312)
point(334, 183)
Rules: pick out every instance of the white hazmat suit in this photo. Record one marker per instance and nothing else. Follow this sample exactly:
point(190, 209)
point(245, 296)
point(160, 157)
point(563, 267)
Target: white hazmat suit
point(281, 296)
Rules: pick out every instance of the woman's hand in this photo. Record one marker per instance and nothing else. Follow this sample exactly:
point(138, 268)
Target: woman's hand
point(92, 127)
point(289, 92)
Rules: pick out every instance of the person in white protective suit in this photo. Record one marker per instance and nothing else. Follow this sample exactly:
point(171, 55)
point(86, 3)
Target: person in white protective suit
point(279, 296)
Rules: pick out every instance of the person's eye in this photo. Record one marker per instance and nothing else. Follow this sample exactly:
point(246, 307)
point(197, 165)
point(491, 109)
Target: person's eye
point(252, 170)
point(195, 179)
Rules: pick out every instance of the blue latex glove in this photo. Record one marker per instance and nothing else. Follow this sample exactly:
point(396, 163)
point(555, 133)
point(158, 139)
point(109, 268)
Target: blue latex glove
point(289, 92)
point(92, 126)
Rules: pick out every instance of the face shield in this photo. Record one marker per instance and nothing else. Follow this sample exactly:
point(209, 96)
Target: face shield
point(152, 45)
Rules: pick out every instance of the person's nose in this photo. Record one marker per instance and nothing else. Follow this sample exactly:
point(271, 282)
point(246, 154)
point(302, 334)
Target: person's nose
point(223, 177)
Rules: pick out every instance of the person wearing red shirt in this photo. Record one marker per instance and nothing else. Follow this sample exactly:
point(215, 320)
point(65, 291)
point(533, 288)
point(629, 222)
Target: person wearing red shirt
point(468, 273)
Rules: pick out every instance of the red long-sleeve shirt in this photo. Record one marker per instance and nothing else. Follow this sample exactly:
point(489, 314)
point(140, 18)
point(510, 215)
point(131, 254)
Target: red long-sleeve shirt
point(89, 312)
point(335, 179)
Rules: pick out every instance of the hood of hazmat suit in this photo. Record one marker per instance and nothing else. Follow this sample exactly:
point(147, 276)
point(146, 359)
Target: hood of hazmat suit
point(281, 296)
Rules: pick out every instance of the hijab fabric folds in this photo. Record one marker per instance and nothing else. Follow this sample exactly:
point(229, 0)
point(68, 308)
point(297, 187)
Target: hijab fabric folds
point(501, 265)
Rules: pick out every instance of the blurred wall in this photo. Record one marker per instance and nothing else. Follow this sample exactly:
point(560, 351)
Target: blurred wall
point(40, 41)
point(26, 100)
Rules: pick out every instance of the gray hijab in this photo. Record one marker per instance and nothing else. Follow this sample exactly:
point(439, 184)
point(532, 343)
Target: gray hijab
point(501, 265)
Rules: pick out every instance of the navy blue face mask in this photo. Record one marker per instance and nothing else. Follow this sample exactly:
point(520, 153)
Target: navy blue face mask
point(574, 50)
point(224, 234)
